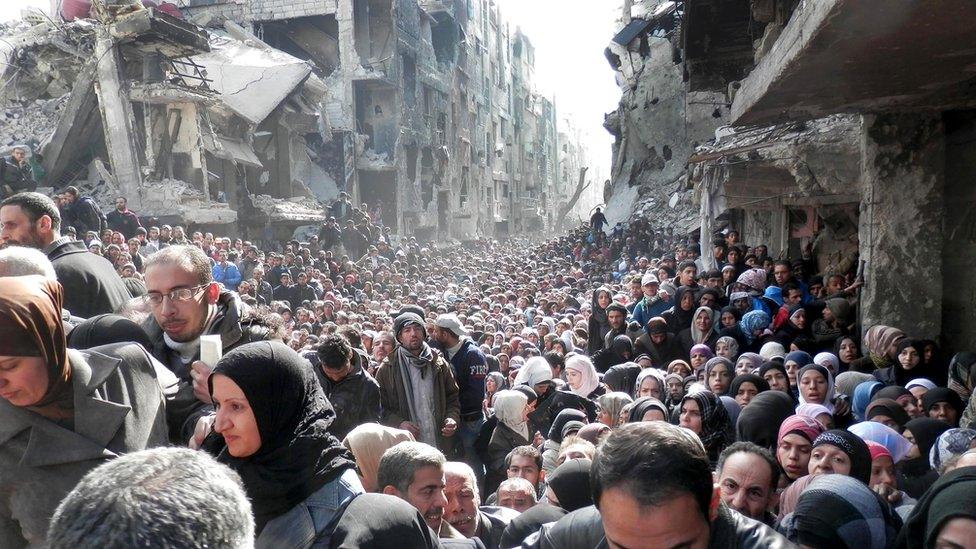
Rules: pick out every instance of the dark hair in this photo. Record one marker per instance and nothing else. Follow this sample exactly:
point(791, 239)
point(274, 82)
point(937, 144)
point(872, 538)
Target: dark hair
point(524, 451)
point(334, 352)
point(687, 263)
point(72, 190)
point(34, 206)
point(754, 449)
point(784, 263)
point(556, 360)
point(652, 462)
point(352, 334)
point(789, 287)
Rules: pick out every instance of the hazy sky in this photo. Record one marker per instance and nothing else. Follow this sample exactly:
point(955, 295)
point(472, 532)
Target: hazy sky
point(569, 38)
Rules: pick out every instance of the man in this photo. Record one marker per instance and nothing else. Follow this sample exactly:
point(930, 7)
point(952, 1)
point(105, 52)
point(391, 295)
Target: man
point(463, 510)
point(262, 290)
point(354, 394)
point(687, 275)
point(123, 219)
point(302, 291)
point(653, 303)
point(597, 221)
point(91, 284)
point(169, 497)
point(383, 345)
point(417, 387)
point(225, 272)
point(414, 472)
point(16, 174)
point(524, 462)
point(83, 213)
point(652, 487)
point(185, 304)
point(617, 319)
point(747, 476)
point(286, 291)
point(517, 493)
point(470, 370)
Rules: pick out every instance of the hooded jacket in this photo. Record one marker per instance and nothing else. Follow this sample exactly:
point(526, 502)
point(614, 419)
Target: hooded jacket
point(356, 398)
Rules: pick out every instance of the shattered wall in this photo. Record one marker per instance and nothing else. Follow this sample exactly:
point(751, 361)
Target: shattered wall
point(657, 127)
point(959, 250)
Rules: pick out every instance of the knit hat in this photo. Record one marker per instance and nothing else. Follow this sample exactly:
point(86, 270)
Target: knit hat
point(855, 448)
point(404, 320)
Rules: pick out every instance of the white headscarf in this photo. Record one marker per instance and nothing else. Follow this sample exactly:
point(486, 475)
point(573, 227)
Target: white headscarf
point(509, 408)
point(583, 365)
point(535, 371)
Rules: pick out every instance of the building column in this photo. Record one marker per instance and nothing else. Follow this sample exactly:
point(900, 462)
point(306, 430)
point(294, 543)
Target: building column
point(901, 222)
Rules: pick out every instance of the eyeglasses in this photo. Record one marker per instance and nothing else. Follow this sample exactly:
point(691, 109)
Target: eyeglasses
point(178, 295)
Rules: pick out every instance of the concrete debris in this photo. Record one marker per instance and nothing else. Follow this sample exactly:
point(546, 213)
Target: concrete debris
point(32, 121)
point(298, 210)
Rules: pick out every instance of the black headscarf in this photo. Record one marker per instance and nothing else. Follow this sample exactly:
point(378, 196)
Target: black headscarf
point(773, 365)
point(562, 418)
point(952, 496)
point(942, 394)
point(678, 318)
point(571, 484)
point(643, 405)
point(106, 329)
point(926, 431)
point(887, 407)
point(529, 523)
point(759, 421)
point(622, 377)
point(298, 455)
point(761, 385)
point(380, 521)
point(855, 448)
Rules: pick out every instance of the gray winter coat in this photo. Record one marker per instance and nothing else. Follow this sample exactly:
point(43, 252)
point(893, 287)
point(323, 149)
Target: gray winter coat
point(119, 408)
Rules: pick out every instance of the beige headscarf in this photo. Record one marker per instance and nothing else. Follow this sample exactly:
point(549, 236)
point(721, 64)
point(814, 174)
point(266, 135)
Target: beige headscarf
point(367, 442)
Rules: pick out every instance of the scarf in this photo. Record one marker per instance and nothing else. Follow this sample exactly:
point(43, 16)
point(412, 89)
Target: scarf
point(510, 411)
point(379, 521)
point(953, 495)
point(419, 390)
point(828, 395)
point(716, 426)
point(643, 405)
point(852, 445)
point(759, 421)
point(926, 431)
point(188, 350)
point(30, 326)
point(959, 373)
point(623, 376)
point(298, 455)
point(752, 322)
point(953, 442)
point(838, 511)
point(878, 341)
point(697, 335)
point(872, 431)
point(571, 484)
point(590, 379)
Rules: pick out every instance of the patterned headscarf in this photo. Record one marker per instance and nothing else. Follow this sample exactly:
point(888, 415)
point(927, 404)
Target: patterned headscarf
point(754, 279)
point(751, 322)
point(716, 426)
point(951, 443)
point(855, 448)
point(959, 372)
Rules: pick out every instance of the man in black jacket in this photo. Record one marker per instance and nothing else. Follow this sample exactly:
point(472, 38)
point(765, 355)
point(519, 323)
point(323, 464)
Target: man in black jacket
point(91, 285)
point(82, 212)
point(354, 394)
point(123, 219)
point(186, 303)
point(16, 175)
point(652, 487)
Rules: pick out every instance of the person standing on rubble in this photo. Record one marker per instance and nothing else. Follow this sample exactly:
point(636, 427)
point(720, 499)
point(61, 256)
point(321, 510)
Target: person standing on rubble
point(123, 219)
point(16, 174)
point(82, 212)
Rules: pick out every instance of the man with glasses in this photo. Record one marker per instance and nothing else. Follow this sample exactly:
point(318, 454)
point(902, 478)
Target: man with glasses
point(186, 303)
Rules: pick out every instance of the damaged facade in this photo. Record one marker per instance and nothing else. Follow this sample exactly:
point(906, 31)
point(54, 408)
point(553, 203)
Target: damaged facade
point(250, 114)
point(844, 133)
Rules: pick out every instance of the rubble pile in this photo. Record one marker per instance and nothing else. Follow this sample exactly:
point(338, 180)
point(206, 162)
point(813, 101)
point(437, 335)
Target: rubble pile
point(297, 209)
point(30, 122)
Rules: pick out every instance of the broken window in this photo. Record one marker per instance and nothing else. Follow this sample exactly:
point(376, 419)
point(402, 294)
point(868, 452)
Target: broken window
point(411, 151)
point(375, 38)
point(376, 116)
point(444, 35)
point(312, 38)
point(463, 194)
point(426, 176)
point(410, 80)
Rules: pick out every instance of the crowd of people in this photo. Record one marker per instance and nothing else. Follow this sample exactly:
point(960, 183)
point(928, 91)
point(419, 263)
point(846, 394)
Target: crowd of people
point(172, 388)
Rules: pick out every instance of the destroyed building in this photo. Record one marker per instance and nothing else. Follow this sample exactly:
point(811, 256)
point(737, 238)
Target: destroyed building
point(246, 116)
point(849, 127)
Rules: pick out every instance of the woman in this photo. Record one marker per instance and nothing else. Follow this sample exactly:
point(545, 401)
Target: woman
point(893, 442)
point(647, 409)
point(816, 386)
point(569, 485)
point(886, 412)
point(905, 367)
point(841, 452)
point(702, 330)
point(794, 445)
point(512, 430)
point(760, 421)
point(748, 363)
point(817, 412)
point(608, 407)
point(699, 355)
point(495, 382)
point(581, 377)
point(550, 449)
point(367, 442)
point(838, 511)
point(904, 398)
point(705, 415)
point(846, 351)
point(727, 347)
point(729, 317)
point(750, 332)
point(961, 373)
point(793, 362)
point(746, 387)
point(944, 404)
point(863, 394)
point(946, 514)
point(679, 316)
point(63, 412)
point(274, 419)
point(949, 446)
point(775, 375)
point(650, 383)
point(880, 343)
point(918, 388)
point(718, 375)
point(622, 377)
point(598, 325)
point(828, 361)
point(916, 473)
